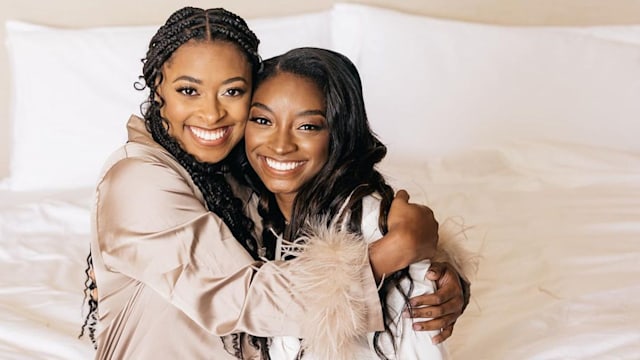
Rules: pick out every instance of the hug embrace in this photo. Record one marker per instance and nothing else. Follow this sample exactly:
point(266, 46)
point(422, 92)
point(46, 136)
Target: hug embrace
point(245, 219)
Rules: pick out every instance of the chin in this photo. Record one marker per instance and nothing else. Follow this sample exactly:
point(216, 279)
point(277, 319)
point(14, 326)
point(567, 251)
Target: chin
point(211, 158)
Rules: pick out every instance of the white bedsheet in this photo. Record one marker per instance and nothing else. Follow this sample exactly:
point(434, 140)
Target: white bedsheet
point(44, 243)
point(557, 226)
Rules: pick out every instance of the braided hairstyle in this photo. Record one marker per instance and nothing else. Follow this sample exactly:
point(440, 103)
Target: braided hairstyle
point(349, 174)
point(184, 25)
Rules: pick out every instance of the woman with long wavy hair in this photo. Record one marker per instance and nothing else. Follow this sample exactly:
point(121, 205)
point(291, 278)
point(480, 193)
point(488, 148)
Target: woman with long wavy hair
point(313, 156)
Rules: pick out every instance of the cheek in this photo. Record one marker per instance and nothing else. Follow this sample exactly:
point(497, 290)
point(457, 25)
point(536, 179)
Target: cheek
point(239, 110)
point(172, 110)
point(324, 152)
point(249, 138)
point(174, 119)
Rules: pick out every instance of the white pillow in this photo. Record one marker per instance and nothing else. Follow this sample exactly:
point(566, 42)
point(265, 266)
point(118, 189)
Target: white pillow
point(281, 34)
point(73, 92)
point(436, 86)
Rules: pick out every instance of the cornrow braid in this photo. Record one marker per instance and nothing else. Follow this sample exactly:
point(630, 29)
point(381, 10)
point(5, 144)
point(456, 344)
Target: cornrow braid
point(190, 23)
point(91, 320)
point(194, 23)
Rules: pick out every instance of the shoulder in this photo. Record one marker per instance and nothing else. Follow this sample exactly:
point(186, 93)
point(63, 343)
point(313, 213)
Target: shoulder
point(370, 216)
point(371, 204)
point(140, 152)
point(135, 164)
point(141, 182)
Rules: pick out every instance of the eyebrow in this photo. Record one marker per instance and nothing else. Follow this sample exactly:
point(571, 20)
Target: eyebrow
point(198, 81)
point(311, 113)
point(301, 113)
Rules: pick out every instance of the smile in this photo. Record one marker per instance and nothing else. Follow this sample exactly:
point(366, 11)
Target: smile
point(282, 165)
point(208, 135)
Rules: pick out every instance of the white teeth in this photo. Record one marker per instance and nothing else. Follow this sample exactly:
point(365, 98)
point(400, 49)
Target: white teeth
point(207, 135)
point(283, 165)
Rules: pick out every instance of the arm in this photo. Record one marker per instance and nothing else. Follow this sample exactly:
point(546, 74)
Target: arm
point(452, 267)
point(412, 236)
point(153, 229)
point(415, 224)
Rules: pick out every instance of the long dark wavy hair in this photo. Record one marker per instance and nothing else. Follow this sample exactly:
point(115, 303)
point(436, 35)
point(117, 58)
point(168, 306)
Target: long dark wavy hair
point(349, 173)
point(185, 25)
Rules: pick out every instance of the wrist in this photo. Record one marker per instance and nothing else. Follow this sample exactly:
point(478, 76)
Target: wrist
point(386, 257)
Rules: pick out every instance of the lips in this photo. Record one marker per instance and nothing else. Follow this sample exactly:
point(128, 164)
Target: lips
point(208, 135)
point(282, 165)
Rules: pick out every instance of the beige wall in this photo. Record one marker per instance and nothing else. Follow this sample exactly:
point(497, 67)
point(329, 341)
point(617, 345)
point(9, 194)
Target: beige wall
point(79, 13)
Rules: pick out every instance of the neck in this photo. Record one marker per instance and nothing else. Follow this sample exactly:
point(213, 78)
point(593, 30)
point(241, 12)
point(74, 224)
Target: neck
point(285, 203)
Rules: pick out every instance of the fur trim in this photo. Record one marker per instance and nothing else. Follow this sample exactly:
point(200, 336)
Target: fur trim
point(450, 249)
point(328, 265)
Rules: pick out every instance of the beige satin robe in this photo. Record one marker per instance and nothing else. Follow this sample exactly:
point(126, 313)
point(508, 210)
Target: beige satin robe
point(171, 277)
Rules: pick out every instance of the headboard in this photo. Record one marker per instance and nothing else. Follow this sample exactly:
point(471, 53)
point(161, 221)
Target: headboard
point(77, 13)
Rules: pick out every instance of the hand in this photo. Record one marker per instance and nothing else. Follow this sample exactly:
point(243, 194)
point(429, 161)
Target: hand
point(412, 237)
point(416, 228)
point(445, 305)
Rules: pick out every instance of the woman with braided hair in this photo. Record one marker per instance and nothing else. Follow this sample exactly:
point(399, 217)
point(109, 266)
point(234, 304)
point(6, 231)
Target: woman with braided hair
point(180, 271)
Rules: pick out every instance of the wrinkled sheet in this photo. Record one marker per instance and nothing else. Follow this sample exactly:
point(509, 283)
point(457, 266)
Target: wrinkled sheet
point(44, 241)
point(556, 228)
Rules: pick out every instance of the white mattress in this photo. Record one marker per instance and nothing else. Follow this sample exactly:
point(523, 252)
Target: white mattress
point(557, 228)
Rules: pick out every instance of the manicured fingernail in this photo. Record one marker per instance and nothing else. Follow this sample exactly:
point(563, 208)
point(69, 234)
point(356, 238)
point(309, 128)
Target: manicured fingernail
point(417, 327)
point(405, 314)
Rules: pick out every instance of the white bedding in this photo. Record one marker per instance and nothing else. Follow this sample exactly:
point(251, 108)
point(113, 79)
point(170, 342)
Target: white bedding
point(556, 219)
point(558, 229)
point(558, 235)
point(44, 239)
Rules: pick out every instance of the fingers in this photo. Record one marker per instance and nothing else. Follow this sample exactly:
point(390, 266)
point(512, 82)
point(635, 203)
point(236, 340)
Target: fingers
point(436, 270)
point(442, 307)
point(444, 335)
point(447, 286)
point(402, 195)
point(450, 307)
point(400, 203)
point(435, 324)
point(439, 298)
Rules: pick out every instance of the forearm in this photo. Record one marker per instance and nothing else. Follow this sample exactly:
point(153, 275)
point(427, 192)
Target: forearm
point(391, 253)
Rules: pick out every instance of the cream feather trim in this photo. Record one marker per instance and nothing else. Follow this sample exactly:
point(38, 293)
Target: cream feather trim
point(331, 264)
point(451, 249)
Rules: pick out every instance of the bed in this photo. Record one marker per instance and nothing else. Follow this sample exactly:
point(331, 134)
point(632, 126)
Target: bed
point(525, 137)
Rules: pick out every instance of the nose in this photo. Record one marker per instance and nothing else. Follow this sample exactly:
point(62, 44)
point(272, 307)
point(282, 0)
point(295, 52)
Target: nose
point(213, 110)
point(282, 142)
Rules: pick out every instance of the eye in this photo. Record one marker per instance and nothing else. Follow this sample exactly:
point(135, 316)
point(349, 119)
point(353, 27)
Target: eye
point(260, 120)
point(310, 127)
point(233, 92)
point(188, 91)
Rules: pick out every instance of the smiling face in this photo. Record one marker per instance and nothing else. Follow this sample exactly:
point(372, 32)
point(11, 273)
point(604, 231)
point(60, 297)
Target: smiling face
point(206, 89)
point(287, 136)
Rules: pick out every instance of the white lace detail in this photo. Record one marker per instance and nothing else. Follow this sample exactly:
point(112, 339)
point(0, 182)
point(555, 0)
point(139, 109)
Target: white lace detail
point(285, 248)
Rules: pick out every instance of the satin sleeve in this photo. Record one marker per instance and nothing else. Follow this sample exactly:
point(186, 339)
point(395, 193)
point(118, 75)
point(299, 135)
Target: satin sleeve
point(152, 228)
